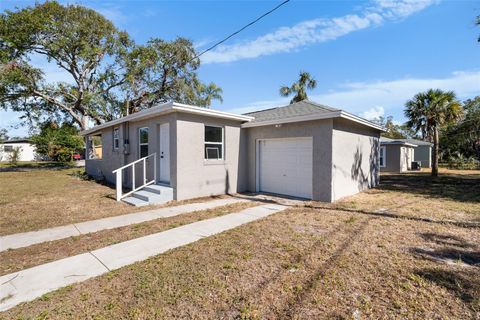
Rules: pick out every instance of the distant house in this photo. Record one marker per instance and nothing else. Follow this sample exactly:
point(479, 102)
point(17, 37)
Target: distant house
point(177, 151)
point(27, 150)
point(423, 152)
point(396, 155)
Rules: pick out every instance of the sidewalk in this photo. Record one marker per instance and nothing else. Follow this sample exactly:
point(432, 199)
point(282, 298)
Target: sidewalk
point(32, 283)
point(26, 239)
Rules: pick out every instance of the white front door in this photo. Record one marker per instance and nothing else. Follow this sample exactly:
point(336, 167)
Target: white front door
point(164, 152)
point(285, 166)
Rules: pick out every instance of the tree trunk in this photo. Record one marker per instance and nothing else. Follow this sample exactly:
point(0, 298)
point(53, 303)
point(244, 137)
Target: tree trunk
point(435, 152)
point(84, 123)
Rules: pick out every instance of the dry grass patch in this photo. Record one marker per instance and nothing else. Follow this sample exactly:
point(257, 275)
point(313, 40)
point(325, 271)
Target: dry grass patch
point(454, 195)
point(23, 258)
point(301, 263)
point(38, 199)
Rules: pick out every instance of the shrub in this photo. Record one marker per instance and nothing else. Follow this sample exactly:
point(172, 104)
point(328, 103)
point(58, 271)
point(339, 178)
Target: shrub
point(58, 142)
point(14, 155)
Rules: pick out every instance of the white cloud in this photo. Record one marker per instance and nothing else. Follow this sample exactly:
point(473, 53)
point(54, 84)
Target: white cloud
point(373, 113)
point(389, 96)
point(287, 39)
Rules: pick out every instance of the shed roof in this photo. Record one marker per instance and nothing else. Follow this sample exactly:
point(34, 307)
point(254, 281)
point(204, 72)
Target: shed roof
point(415, 142)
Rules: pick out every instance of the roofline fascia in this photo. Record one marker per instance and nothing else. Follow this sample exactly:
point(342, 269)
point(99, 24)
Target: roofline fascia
point(349, 116)
point(310, 117)
point(166, 108)
point(400, 143)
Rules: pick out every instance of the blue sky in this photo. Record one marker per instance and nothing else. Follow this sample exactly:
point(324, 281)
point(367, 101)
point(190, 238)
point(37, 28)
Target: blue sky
point(368, 57)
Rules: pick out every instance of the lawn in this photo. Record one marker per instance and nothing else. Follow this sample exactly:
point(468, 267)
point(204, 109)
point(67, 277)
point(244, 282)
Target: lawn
point(340, 260)
point(32, 164)
point(42, 198)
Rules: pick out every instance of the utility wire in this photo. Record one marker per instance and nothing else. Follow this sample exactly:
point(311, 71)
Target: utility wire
point(241, 29)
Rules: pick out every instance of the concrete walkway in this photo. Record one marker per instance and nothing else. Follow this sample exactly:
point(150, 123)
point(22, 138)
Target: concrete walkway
point(26, 239)
point(32, 283)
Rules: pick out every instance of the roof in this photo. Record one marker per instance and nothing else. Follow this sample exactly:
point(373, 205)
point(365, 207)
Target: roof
point(302, 111)
point(167, 108)
point(16, 141)
point(403, 142)
point(415, 142)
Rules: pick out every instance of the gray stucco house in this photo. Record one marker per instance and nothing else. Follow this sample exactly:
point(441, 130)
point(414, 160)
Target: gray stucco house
point(177, 151)
point(396, 155)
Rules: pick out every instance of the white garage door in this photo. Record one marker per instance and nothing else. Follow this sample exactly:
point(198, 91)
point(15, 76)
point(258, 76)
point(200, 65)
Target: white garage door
point(285, 166)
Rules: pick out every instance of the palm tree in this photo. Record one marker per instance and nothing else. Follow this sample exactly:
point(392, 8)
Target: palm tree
point(305, 82)
point(428, 112)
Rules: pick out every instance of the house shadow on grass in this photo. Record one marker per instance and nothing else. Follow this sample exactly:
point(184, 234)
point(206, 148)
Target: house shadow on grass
point(458, 268)
point(463, 188)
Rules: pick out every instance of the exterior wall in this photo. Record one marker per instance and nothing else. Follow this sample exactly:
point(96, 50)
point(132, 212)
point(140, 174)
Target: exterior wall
point(424, 154)
point(355, 162)
point(111, 159)
point(197, 177)
point(27, 152)
point(392, 158)
point(397, 158)
point(320, 131)
point(115, 158)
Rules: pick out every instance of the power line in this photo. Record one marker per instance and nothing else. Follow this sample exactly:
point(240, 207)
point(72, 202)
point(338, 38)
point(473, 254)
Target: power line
point(241, 29)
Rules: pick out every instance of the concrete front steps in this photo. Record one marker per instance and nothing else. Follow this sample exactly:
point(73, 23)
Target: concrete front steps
point(151, 194)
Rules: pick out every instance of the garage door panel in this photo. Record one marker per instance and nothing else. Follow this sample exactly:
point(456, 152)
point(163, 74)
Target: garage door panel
point(285, 166)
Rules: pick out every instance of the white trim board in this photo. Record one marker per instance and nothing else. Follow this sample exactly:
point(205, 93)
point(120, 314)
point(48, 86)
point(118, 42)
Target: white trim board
point(315, 116)
point(167, 108)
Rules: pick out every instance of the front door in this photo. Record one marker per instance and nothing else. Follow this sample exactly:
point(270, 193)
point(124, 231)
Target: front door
point(165, 152)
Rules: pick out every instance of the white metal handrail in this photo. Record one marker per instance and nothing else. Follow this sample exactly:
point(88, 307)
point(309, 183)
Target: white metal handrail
point(119, 171)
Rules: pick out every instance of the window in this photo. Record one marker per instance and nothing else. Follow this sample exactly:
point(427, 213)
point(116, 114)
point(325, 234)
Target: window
point(116, 138)
point(213, 143)
point(8, 148)
point(143, 141)
point(383, 152)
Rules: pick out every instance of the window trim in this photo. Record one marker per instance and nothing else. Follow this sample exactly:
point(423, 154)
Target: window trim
point(382, 157)
point(222, 156)
point(140, 144)
point(117, 138)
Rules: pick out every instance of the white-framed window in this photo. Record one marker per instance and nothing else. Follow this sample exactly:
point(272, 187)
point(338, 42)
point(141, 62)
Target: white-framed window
point(213, 142)
point(116, 138)
point(143, 141)
point(8, 148)
point(383, 156)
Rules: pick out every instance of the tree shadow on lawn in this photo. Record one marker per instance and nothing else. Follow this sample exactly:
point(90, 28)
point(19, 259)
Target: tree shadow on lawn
point(459, 267)
point(464, 188)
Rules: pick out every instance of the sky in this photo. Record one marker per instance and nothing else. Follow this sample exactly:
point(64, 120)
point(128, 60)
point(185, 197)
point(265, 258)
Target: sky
point(368, 57)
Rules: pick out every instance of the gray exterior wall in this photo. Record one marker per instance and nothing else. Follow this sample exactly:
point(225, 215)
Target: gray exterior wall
point(344, 155)
point(424, 154)
point(396, 158)
point(197, 177)
point(114, 159)
point(191, 175)
point(354, 158)
point(320, 131)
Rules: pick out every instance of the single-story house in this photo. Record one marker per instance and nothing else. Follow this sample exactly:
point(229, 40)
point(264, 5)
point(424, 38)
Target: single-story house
point(27, 150)
point(396, 155)
point(395, 159)
point(303, 150)
point(423, 152)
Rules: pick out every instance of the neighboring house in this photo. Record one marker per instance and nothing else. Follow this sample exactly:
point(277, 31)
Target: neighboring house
point(396, 155)
point(304, 150)
point(27, 150)
point(423, 152)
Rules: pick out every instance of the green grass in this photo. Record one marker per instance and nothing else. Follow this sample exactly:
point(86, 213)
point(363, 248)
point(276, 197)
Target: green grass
point(34, 164)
